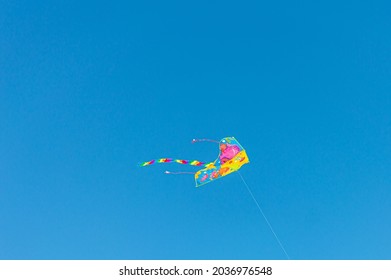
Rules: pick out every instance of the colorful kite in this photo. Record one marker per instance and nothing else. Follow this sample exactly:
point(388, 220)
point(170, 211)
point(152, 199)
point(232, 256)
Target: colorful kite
point(231, 158)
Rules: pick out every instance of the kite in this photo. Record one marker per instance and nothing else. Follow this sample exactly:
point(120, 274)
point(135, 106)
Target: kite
point(232, 157)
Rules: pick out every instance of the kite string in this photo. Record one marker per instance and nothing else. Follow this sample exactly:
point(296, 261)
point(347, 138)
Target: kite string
point(264, 216)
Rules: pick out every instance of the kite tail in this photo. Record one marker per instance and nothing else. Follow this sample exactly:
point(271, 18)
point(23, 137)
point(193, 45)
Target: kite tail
point(168, 160)
point(204, 140)
point(177, 173)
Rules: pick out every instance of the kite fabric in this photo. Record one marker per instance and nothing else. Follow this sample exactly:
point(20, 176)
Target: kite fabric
point(232, 157)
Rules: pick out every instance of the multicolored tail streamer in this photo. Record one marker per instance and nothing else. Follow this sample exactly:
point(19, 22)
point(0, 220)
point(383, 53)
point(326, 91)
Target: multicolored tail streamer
point(169, 160)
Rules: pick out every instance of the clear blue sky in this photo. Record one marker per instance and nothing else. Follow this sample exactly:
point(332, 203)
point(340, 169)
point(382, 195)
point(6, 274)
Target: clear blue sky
point(88, 90)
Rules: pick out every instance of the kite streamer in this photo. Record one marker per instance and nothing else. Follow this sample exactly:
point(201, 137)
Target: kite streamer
point(168, 160)
point(177, 173)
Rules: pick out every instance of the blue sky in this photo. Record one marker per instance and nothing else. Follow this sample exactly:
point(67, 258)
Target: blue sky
point(89, 89)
